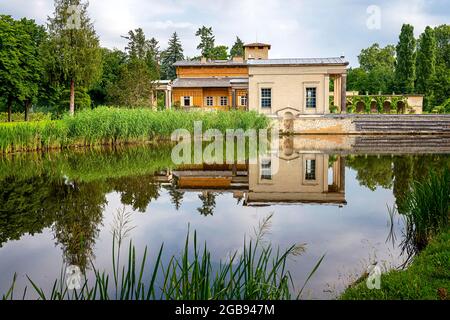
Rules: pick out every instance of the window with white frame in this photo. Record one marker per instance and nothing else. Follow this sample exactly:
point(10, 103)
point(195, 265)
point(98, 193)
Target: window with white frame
point(223, 101)
point(243, 100)
point(311, 94)
point(266, 97)
point(266, 169)
point(310, 169)
point(186, 101)
point(209, 101)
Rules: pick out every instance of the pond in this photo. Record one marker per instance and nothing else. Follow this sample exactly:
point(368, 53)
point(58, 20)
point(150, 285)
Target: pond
point(329, 193)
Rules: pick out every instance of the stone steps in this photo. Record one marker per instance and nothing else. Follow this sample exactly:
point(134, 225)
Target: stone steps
point(406, 144)
point(433, 125)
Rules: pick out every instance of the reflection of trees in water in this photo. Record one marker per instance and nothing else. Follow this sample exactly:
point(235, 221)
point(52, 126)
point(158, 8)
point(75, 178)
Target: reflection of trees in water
point(209, 203)
point(398, 172)
point(22, 208)
point(136, 191)
point(73, 210)
point(403, 177)
point(78, 211)
point(176, 196)
point(372, 171)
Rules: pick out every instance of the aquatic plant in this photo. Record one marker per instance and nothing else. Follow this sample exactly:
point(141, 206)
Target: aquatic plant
point(426, 210)
point(258, 273)
point(113, 126)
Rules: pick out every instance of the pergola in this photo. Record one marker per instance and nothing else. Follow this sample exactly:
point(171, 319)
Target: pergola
point(162, 86)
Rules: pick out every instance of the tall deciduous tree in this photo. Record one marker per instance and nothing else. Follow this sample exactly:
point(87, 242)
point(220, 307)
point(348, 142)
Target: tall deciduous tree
point(206, 45)
point(10, 56)
point(441, 87)
point(113, 61)
point(426, 66)
point(172, 54)
point(20, 62)
point(134, 85)
point(376, 71)
point(375, 56)
point(72, 52)
point(237, 50)
point(405, 69)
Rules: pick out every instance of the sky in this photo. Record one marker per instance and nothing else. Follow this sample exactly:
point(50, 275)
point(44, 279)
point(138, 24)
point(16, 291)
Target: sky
point(294, 28)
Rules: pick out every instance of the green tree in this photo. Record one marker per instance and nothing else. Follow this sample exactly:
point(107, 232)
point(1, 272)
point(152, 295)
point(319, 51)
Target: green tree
point(375, 56)
point(380, 80)
point(113, 61)
point(442, 36)
point(357, 80)
point(20, 62)
point(405, 71)
point(376, 71)
point(426, 66)
point(237, 50)
point(133, 87)
point(138, 46)
point(155, 52)
point(219, 53)
point(172, 54)
point(206, 45)
point(72, 51)
point(441, 85)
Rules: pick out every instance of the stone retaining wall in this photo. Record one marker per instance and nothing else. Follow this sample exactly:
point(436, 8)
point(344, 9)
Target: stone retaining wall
point(367, 124)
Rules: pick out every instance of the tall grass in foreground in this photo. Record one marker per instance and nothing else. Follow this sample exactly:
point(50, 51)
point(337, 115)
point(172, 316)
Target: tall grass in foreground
point(112, 126)
point(258, 273)
point(426, 211)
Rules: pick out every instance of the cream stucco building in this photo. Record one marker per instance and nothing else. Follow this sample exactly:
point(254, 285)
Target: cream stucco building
point(288, 88)
point(280, 88)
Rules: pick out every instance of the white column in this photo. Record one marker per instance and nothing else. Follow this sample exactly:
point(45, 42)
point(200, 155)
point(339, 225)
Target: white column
point(326, 94)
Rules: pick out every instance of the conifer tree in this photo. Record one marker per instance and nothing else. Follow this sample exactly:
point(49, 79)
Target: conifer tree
point(172, 54)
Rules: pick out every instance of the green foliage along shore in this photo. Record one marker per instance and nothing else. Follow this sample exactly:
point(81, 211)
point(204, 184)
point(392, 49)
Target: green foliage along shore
point(111, 126)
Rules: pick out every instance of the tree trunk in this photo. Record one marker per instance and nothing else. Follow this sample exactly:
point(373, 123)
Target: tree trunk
point(72, 98)
point(27, 108)
point(10, 101)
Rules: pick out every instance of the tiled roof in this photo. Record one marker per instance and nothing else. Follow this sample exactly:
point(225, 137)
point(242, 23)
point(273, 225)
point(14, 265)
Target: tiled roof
point(257, 44)
point(269, 62)
point(195, 63)
point(298, 61)
point(206, 82)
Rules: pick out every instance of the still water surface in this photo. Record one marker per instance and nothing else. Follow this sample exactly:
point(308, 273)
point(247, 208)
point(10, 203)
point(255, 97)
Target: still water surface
point(59, 208)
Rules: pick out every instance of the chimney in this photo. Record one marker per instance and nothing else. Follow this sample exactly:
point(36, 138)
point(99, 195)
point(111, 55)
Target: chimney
point(238, 59)
point(203, 60)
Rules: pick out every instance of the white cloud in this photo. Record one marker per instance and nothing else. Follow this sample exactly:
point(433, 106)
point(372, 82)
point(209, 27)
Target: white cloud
point(294, 28)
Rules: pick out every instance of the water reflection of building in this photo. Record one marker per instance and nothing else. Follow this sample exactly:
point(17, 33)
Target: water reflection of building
point(301, 176)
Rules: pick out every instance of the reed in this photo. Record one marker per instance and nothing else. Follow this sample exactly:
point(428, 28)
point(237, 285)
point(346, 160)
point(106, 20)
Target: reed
point(258, 273)
point(113, 126)
point(426, 211)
